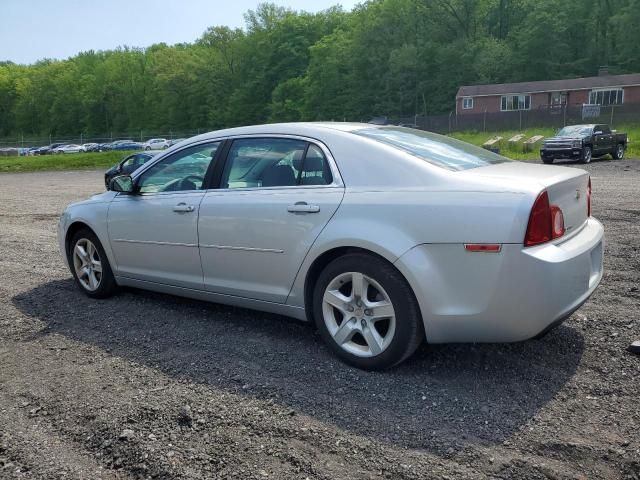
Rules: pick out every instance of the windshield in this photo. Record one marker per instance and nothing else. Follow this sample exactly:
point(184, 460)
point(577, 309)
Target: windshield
point(575, 130)
point(436, 149)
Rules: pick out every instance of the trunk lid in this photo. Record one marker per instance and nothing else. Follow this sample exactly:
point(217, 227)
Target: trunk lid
point(566, 186)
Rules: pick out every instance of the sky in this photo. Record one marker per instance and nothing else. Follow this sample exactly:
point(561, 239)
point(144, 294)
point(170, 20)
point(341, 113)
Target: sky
point(31, 30)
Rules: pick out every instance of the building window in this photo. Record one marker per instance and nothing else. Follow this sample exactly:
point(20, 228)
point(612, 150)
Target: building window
point(467, 103)
point(515, 102)
point(606, 97)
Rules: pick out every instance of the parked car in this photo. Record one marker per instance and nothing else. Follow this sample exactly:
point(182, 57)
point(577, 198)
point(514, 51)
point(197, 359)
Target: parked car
point(126, 145)
point(47, 149)
point(156, 144)
point(112, 145)
point(103, 147)
point(9, 152)
point(173, 141)
point(379, 121)
point(128, 165)
point(91, 147)
point(584, 142)
point(70, 148)
point(383, 236)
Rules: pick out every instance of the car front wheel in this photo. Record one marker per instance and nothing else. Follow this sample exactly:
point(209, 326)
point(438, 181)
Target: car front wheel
point(366, 312)
point(586, 155)
point(89, 265)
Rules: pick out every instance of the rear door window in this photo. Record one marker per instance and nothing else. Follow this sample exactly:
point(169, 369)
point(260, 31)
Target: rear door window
point(263, 162)
point(315, 168)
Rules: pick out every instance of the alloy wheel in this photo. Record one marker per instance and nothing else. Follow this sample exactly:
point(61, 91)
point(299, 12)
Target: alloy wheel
point(87, 264)
point(358, 314)
point(619, 152)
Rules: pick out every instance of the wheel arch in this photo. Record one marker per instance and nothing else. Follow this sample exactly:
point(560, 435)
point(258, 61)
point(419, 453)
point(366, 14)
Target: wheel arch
point(324, 259)
point(72, 229)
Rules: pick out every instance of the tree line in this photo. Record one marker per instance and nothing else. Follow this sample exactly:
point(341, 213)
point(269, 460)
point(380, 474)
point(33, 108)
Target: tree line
point(386, 57)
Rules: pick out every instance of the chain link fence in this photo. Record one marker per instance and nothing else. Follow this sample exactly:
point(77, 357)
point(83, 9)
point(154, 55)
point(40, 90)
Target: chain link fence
point(549, 116)
point(17, 145)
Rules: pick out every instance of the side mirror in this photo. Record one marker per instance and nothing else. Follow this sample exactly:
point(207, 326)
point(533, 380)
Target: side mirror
point(122, 184)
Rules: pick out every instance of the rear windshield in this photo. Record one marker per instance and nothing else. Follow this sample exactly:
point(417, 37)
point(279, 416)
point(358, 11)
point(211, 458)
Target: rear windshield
point(439, 150)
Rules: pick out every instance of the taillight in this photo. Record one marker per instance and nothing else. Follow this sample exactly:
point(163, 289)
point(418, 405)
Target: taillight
point(539, 227)
point(546, 222)
point(589, 198)
point(557, 222)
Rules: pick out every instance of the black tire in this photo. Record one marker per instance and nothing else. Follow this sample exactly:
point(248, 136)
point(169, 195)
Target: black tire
point(618, 153)
point(587, 155)
point(547, 160)
point(409, 329)
point(107, 285)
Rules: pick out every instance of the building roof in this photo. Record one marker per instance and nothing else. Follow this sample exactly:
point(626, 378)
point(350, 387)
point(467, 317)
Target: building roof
point(586, 83)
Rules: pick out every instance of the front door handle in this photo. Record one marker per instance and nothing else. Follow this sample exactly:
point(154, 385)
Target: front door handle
point(183, 208)
point(303, 207)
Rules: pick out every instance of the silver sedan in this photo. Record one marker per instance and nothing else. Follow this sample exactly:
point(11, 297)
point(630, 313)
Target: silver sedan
point(382, 236)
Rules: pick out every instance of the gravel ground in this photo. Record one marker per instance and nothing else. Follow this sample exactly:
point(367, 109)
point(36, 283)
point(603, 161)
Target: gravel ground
point(151, 386)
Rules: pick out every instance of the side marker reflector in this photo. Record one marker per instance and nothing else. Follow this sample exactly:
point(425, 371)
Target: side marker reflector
point(483, 247)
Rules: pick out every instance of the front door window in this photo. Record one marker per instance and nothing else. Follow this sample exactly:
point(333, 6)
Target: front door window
point(182, 171)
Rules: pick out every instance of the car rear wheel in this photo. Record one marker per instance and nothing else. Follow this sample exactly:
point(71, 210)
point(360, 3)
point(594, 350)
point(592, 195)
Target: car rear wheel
point(618, 154)
point(366, 312)
point(89, 265)
point(586, 155)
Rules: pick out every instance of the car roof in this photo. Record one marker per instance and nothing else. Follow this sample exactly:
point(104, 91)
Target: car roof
point(293, 128)
point(364, 161)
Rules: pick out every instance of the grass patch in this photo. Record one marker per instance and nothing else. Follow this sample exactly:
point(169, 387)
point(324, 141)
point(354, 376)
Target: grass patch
point(67, 161)
point(517, 153)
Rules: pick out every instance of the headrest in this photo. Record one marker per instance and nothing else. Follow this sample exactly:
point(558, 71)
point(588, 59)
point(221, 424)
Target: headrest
point(313, 164)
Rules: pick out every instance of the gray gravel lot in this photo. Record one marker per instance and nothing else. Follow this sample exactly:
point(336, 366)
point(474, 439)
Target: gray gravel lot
point(151, 386)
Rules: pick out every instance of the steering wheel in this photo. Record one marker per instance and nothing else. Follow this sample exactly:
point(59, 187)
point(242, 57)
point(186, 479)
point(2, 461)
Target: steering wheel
point(191, 179)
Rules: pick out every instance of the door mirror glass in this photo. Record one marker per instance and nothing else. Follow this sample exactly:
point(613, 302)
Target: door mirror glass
point(122, 184)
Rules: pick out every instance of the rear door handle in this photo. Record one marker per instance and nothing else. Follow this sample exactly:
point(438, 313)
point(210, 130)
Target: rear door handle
point(303, 207)
point(183, 208)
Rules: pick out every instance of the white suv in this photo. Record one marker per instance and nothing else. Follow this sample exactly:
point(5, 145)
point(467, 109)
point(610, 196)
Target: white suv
point(156, 144)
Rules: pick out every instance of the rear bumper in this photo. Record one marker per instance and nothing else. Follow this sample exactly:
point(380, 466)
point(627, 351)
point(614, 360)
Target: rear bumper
point(510, 296)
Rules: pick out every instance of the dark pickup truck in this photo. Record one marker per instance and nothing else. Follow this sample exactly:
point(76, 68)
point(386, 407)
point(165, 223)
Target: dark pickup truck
point(584, 142)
